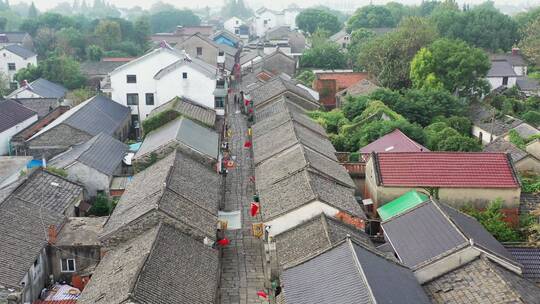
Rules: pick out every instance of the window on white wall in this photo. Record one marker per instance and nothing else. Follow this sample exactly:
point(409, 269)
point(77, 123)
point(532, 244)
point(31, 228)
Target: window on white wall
point(132, 99)
point(11, 66)
point(184, 75)
point(68, 265)
point(131, 78)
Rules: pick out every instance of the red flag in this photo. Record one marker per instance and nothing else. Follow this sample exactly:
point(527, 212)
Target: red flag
point(250, 110)
point(224, 242)
point(247, 144)
point(254, 209)
point(262, 294)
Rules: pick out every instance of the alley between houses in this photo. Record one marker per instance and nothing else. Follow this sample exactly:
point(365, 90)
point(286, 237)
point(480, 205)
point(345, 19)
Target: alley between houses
point(242, 263)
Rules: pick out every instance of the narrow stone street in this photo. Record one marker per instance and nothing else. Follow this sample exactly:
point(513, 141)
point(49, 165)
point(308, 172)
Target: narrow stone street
point(242, 263)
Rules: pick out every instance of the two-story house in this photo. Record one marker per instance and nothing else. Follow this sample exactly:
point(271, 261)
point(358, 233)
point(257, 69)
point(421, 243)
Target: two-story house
point(266, 19)
point(13, 58)
point(157, 77)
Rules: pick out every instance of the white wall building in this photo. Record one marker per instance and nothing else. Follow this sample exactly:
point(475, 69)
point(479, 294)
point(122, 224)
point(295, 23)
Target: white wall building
point(266, 19)
point(155, 78)
point(13, 58)
point(233, 25)
point(502, 73)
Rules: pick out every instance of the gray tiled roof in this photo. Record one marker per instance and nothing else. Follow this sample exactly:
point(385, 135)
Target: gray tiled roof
point(195, 63)
point(98, 114)
point(199, 138)
point(20, 51)
point(314, 236)
point(514, 60)
point(500, 68)
point(189, 108)
point(103, 153)
point(47, 89)
point(528, 84)
point(177, 185)
point(529, 257)
point(351, 273)
point(283, 104)
point(502, 145)
point(525, 130)
point(422, 234)
point(299, 158)
point(432, 230)
point(302, 188)
point(288, 112)
point(51, 191)
point(14, 37)
point(528, 202)
point(163, 265)
point(23, 230)
point(482, 281)
point(42, 106)
point(13, 113)
point(286, 136)
point(276, 86)
point(486, 118)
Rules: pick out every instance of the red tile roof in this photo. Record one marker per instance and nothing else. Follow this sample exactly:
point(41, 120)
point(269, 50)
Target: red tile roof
point(445, 170)
point(394, 141)
point(343, 79)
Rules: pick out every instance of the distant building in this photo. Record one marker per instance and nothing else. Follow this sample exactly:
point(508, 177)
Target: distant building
point(208, 50)
point(395, 141)
point(329, 82)
point(20, 38)
point(521, 159)
point(342, 38)
point(266, 19)
point(14, 58)
point(11, 168)
point(361, 88)
point(182, 33)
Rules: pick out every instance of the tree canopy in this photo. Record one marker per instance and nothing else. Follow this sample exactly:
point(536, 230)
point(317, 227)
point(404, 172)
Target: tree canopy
point(311, 19)
point(371, 16)
point(530, 44)
point(59, 69)
point(452, 65)
point(167, 21)
point(235, 8)
point(387, 58)
point(325, 56)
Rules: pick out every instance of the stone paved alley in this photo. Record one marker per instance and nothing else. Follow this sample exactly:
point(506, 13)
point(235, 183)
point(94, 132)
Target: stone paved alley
point(242, 263)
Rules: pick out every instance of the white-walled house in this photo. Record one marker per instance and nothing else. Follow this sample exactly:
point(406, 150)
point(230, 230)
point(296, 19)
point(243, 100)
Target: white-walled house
point(14, 118)
point(233, 25)
point(13, 58)
point(501, 74)
point(266, 19)
point(162, 74)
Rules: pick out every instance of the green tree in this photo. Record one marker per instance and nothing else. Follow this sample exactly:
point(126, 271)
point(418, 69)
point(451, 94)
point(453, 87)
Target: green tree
point(235, 8)
point(311, 19)
point(532, 117)
point(326, 56)
point(32, 11)
point(71, 41)
point(306, 78)
point(452, 65)
point(60, 69)
point(421, 106)
point(371, 16)
point(530, 44)
point(354, 106)
point(167, 21)
point(441, 137)
point(332, 121)
point(142, 32)
point(484, 27)
point(387, 58)
point(359, 38)
point(79, 95)
point(102, 206)
point(45, 41)
point(493, 220)
point(319, 38)
point(94, 52)
point(109, 33)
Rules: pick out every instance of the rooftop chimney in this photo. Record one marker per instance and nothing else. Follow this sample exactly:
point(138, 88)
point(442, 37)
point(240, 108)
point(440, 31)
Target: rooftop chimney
point(52, 234)
point(515, 51)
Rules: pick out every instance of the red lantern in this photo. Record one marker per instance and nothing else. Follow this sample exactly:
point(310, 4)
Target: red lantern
point(262, 294)
point(247, 144)
point(224, 242)
point(254, 209)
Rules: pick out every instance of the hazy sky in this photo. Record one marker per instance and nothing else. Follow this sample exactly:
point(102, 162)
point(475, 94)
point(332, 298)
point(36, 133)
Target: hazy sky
point(276, 4)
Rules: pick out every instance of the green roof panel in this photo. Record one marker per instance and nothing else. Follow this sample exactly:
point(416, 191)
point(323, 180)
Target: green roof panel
point(401, 204)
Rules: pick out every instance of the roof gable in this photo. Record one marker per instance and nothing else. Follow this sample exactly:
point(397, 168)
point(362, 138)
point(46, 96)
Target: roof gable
point(20, 51)
point(394, 141)
point(445, 170)
point(13, 113)
point(351, 273)
point(401, 204)
point(189, 108)
point(165, 48)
